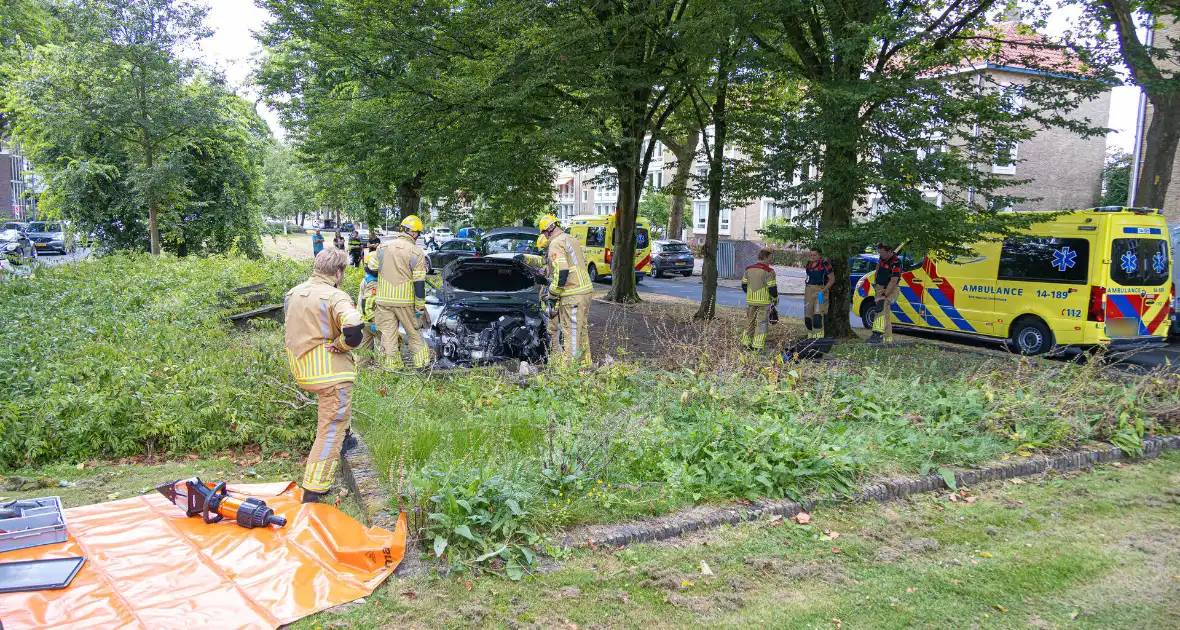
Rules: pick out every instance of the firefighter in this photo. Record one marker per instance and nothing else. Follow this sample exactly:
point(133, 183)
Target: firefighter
point(322, 327)
point(401, 295)
point(570, 286)
point(551, 313)
point(367, 298)
point(820, 278)
point(761, 291)
point(885, 292)
point(356, 248)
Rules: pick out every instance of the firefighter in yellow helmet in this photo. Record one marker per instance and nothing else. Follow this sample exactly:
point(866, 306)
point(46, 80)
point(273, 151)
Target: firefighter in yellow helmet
point(366, 300)
point(546, 301)
point(401, 295)
point(322, 327)
point(570, 286)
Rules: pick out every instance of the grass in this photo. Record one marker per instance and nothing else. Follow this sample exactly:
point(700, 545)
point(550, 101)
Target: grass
point(1084, 550)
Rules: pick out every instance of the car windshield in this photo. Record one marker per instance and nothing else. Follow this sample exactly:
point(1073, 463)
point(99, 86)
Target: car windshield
point(675, 248)
point(511, 244)
point(458, 245)
point(12, 226)
point(44, 227)
point(442, 230)
point(9, 235)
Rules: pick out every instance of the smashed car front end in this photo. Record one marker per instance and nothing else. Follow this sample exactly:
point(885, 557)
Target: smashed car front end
point(490, 311)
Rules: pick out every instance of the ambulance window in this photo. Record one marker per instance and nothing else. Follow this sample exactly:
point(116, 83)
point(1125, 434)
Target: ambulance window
point(596, 237)
point(1139, 262)
point(641, 238)
point(911, 260)
point(1045, 259)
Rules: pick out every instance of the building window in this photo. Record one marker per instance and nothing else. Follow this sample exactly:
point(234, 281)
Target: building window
point(565, 211)
point(656, 178)
point(604, 208)
point(700, 212)
point(585, 195)
point(1005, 159)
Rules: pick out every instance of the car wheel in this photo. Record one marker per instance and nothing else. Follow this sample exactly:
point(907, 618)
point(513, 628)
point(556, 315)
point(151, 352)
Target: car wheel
point(868, 313)
point(686, 274)
point(656, 272)
point(592, 271)
point(1031, 337)
point(638, 279)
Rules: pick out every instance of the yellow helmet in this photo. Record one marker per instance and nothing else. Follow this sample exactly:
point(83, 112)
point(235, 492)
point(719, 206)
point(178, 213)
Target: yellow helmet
point(542, 242)
point(547, 222)
point(412, 223)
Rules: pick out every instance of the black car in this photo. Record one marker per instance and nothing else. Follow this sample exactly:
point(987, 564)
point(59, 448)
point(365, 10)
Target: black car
point(14, 244)
point(671, 257)
point(450, 251)
point(489, 311)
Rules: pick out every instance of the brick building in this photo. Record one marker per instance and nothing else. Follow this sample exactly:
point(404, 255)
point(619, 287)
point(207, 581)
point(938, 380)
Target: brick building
point(17, 195)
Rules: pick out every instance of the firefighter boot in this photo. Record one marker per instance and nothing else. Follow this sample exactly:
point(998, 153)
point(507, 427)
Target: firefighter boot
point(819, 326)
point(810, 327)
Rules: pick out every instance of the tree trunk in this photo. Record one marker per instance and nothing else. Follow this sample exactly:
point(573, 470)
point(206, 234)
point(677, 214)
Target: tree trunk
point(409, 196)
point(623, 248)
point(1159, 154)
point(716, 180)
point(153, 209)
point(835, 214)
point(684, 158)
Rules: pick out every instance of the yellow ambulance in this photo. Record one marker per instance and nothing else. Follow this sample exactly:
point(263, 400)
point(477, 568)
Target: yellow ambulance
point(1097, 277)
point(596, 233)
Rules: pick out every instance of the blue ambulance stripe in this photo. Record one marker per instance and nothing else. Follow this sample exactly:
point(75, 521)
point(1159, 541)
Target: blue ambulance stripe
point(1135, 230)
point(1124, 305)
point(951, 311)
point(926, 316)
point(900, 314)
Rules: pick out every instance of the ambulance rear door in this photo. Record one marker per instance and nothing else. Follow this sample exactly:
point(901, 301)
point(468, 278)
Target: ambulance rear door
point(1138, 293)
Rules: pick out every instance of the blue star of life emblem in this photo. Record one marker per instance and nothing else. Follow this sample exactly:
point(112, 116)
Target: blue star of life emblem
point(1159, 262)
point(1064, 258)
point(1130, 262)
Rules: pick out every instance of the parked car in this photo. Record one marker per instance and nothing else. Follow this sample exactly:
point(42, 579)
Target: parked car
point(511, 242)
point(671, 257)
point(488, 310)
point(861, 264)
point(50, 237)
point(14, 244)
point(449, 252)
point(19, 226)
point(440, 234)
point(469, 232)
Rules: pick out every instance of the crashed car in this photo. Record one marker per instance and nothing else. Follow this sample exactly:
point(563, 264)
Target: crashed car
point(487, 310)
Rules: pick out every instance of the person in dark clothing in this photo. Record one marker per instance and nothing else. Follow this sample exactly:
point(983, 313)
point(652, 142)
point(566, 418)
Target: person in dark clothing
point(356, 248)
point(338, 241)
point(885, 289)
point(820, 278)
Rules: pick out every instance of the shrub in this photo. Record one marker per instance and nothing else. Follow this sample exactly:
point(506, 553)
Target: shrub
point(129, 354)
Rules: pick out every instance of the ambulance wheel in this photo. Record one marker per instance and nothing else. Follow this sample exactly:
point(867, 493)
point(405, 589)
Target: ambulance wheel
point(592, 271)
point(868, 313)
point(1031, 336)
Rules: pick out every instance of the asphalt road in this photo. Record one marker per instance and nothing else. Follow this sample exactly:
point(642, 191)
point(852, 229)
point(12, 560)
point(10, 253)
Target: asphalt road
point(52, 260)
point(792, 306)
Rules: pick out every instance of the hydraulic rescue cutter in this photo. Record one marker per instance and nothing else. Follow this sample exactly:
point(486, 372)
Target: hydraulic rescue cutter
point(213, 503)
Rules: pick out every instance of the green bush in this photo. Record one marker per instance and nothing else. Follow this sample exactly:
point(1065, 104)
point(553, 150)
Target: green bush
point(129, 354)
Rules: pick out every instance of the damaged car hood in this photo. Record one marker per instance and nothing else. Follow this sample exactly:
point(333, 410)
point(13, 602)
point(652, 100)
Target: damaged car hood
point(476, 281)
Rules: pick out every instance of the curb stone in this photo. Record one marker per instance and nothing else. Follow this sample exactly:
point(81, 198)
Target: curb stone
point(677, 524)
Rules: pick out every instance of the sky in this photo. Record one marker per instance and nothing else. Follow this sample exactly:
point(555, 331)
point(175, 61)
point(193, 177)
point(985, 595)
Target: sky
point(233, 49)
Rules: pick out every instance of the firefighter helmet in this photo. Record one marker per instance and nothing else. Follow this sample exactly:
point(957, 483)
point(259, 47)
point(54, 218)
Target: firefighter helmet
point(412, 223)
point(542, 242)
point(547, 222)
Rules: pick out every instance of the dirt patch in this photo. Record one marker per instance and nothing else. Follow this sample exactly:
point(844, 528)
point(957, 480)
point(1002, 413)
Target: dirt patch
point(666, 579)
point(910, 547)
point(618, 595)
point(704, 605)
point(474, 613)
point(565, 592)
point(798, 571)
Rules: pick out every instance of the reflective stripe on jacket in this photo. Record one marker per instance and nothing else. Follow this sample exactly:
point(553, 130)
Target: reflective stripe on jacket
point(565, 254)
point(400, 264)
point(757, 282)
point(317, 314)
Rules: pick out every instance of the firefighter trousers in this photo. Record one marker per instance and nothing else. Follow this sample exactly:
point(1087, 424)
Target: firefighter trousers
point(884, 322)
point(815, 306)
point(754, 334)
point(388, 318)
point(335, 415)
point(573, 315)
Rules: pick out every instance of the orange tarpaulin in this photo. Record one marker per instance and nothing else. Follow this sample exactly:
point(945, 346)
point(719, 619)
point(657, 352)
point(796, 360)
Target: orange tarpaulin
point(150, 566)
